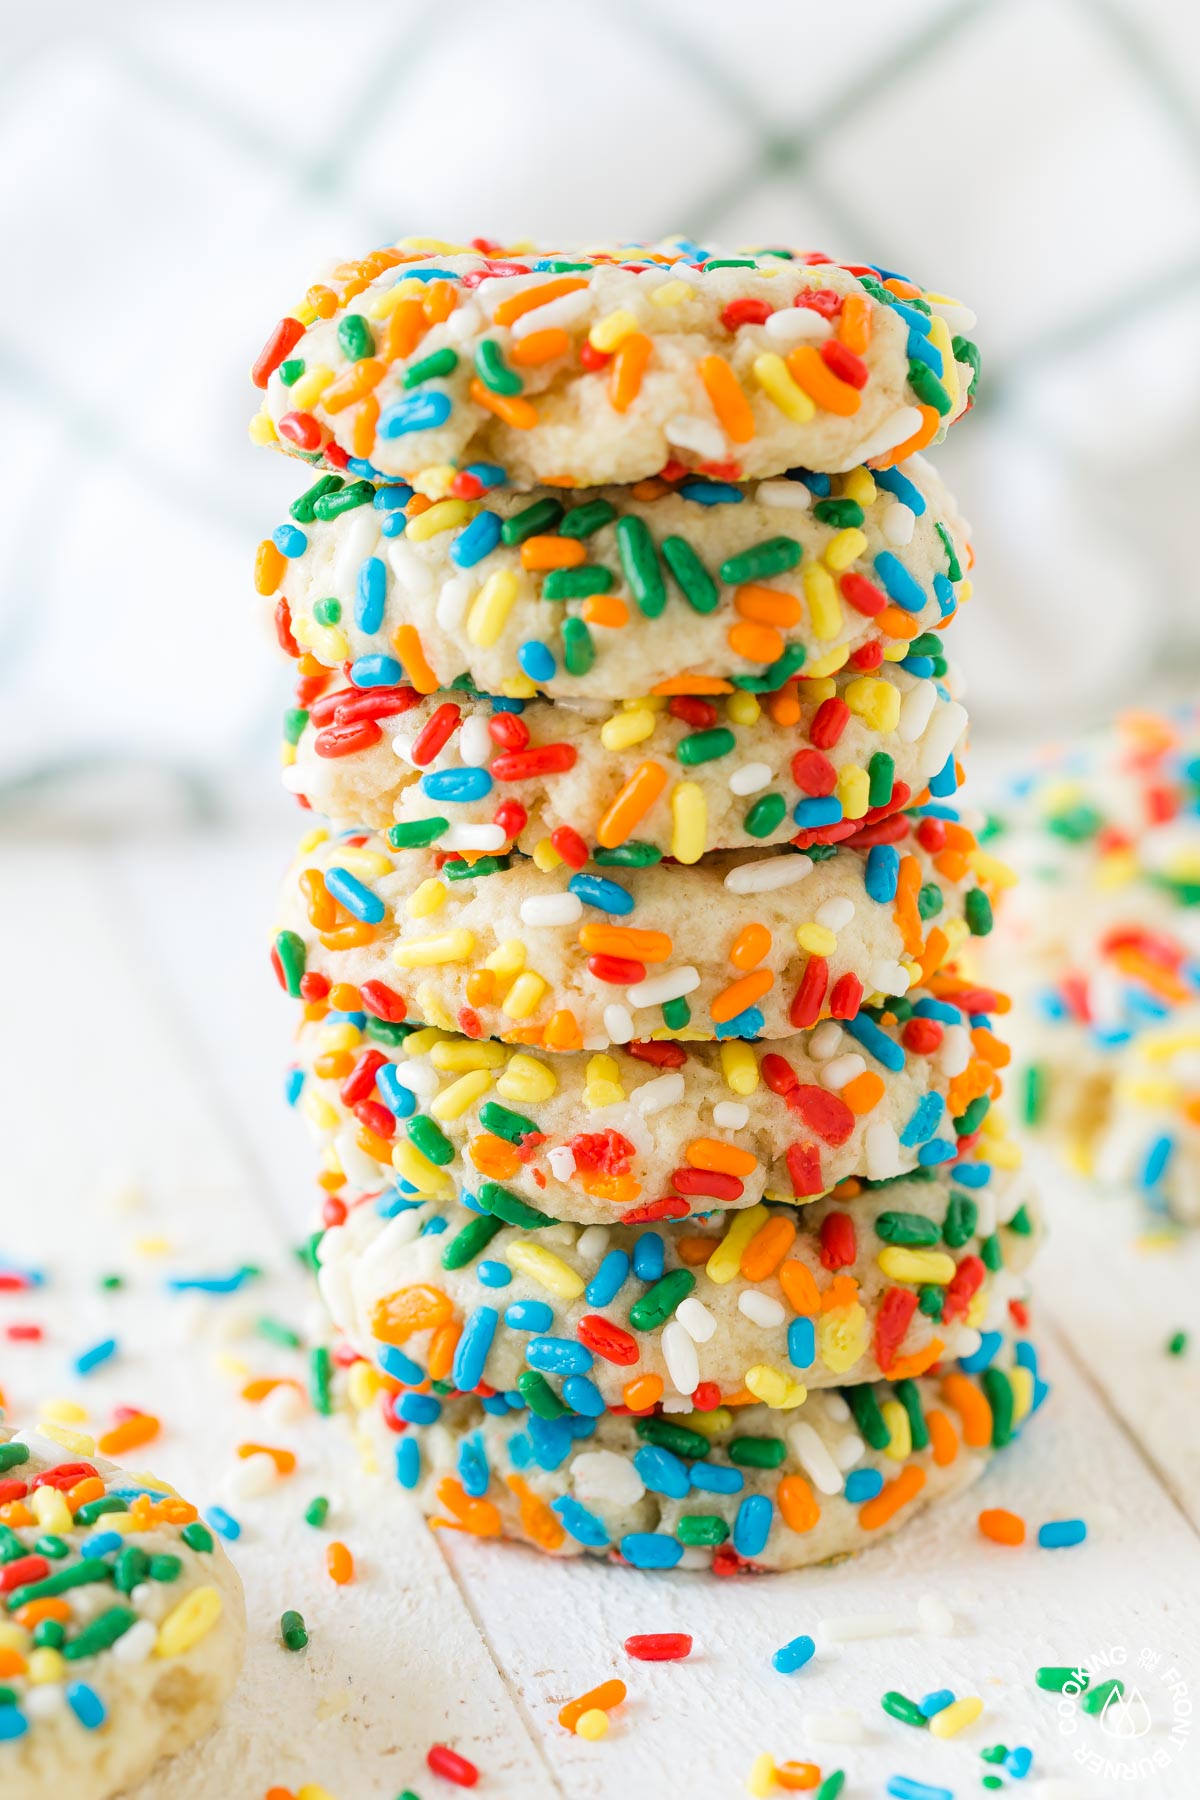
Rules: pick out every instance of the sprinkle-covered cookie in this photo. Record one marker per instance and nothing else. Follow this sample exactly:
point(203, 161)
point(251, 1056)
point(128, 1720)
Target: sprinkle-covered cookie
point(609, 365)
point(688, 587)
point(122, 1623)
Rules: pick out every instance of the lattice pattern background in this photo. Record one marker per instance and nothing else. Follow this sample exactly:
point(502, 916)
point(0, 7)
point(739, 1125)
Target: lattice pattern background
point(177, 173)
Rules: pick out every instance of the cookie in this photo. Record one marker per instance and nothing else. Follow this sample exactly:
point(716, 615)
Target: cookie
point(610, 364)
point(732, 1488)
point(765, 1305)
point(654, 1130)
point(562, 958)
point(122, 1623)
point(597, 594)
point(730, 772)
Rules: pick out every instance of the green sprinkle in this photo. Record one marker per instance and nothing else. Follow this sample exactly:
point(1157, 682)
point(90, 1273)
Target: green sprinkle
point(977, 910)
point(88, 1572)
point(293, 1631)
point(639, 559)
point(991, 1250)
point(417, 833)
point(387, 1031)
point(110, 1283)
point(165, 1567)
point(441, 362)
point(693, 579)
point(676, 1014)
point(131, 1566)
point(1056, 1680)
point(579, 650)
point(841, 514)
point(757, 1452)
point(909, 1396)
point(953, 569)
point(49, 1634)
point(541, 517)
point(303, 509)
point(506, 1206)
point(927, 644)
point(992, 1782)
point(994, 1753)
point(1096, 1699)
point(965, 351)
point(972, 1115)
point(962, 1217)
point(52, 1546)
point(197, 1536)
point(676, 1438)
point(471, 1241)
point(100, 1634)
point(294, 721)
point(636, 854)
point(931, 1301)
point(1035, 1089)
point(458, 869)
point(320, 1374)
point(705, 746)
point(332, 506)
point(317, 1511)
point(765, 816)
point(327, 612)
point(701, 1528)
point(1076, 823)
point(96, 1509)
point(578, 584)
point(832, 1786)
point(1021, 1225)
point(539, 1396)
point(906, 1228)
point(776, 675)
point(13, 1454)
point(503, 1122)
point(659, 1302)
point(881, 772)
point(926, 386)
point(276, 1332)
point(291, 370)
point(930, 900)
point(998, 1389)
point(867, 1416)
point(355, 337)
point(771, 557)
point(906, 1710)
point(289, 948)
point(430, 1140)
point(582, 521)
point(493, 371)
point(1177, 1343)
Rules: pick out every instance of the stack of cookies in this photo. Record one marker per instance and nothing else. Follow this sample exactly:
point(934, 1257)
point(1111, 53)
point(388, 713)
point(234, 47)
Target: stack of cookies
point(665, 1212)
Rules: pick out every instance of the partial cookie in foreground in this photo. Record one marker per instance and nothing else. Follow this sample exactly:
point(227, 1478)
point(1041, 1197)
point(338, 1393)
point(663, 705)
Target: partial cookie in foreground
point(610, 364)
point(562, 958)
point(697, 588)
point(121, 1620)
point(469, 773)
point(738, 1487)
point(653, 1130)
point(764, 1305)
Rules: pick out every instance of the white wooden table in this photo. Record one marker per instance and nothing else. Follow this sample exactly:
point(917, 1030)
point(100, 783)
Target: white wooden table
point(142, 1049)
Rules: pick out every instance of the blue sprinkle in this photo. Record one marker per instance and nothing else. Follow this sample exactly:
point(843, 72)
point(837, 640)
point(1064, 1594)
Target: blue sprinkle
point(802, 1343)
point(973, 1175)
point(434, 1227)
point(936, 1702)
point(989, 1345)
point(607, 896)
point(91, 1359)
point(13, 1724)
point(662, 1471)
point(293, 1086)
point(752, 1526)
point(925, 1119)
point(551, 1440)
point(488, 475)
point(393, 496)
point(579, 1523)
point(529, 1315)
point(651, 1550)
point(919, 666)
point(423, 411)
point(649, 1256)
point(558, 1356)
point(103, 1543)
point(356, 898)
point(921, 350)
point(1018, 1762)
point(393, 524)
point(938, 1009)
point(411, 273)
point(937, 1150)
point(211, 1284)
point(473, 1469)
point(882, 873)
point(913, 318)
point(408, 1462)
point(716, 1478)
point(903, 1787)
point(393, 1362)
point(376, 671)
point(608, 1280)
point(583, 1396)
point(825, 809)
point(904, 490)
point(746, 1024)
point(370, 594)
point(943, 593)
point(495, 1405)
point(86, 1704)
point(494, 1274)
point(418, 1409)
point(289, 540)
point(473, 1346)
point(457, 784)
point(1061, 1534)
point(945, 782)
point(711, 493)
point(478, 540)
point(223, 1523)
point(863, 1484)
point(793, 1656)
point(875, 1042)
point(818, 485)
point(1157, 1160)
point(536, 660)
point(397, 1097)
point(898, 584)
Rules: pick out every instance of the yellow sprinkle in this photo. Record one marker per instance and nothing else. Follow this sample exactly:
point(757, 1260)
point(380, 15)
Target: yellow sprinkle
point(287, 755)
point(524, 996)
point(339, 1037)
point(526, 1079)
point(824, 604)
point(689, 815)
point(627, 728)
point(453, 1101)
point(726, 1259)
point(426, 953)
point(895, 652)
point(991, 870)
point(859, 485)
point(761, 1779)
point(939, 337)
point(330, 645)
point(602, 1093)
point(832, 661)
point(775, 1388)
point(739, 1065)
point(656, 703)
point(878, 702)
point(771, 373)
point(45, 1665)
point(953, 1718)
point(425, 1176)
point(853, 789)
point(671, 293)
point(79, 1443)
point(507, 958)
point(518, 687)
point(491, 607)
point(842, 1337)
point(311, 385)
point(13, 1637)
point(818, 940)
point(188, 1622)
point(363, 1384)
point(545, 856)
point(431, 1007)
point(66, 1412)
point(312, 1790)
point(843, 548)
point(421, 1043)
point(443, 515)
point(602, 1067)
point(262, 429)
point(435, 482)
point(592, 1725)
point(426, 898)
point(312, 839)
point(549, 1271)
point(456, 1055)
point(1020, 1380)
point(900, 1264)
point(50, 1509)
point(709, 1424)
point(816, 691)
point(899, 1444)
point(608, 332)
point(743, 709)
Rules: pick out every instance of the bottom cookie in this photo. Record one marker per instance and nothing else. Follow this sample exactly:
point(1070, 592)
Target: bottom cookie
point(740, 1487)
point(122, 1623)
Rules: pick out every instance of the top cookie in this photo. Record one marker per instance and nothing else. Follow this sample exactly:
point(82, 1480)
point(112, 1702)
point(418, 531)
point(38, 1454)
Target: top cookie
point(583, 368)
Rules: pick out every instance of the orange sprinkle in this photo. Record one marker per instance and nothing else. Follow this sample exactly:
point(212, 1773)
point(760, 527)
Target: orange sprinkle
point(479, 1517)
point(694, 684)
point(631, 805)
point(442, 1346)
point(767, 606)
point(924, 434)
point(405, 329)
point(605, 609)
point(937, 946)
point(799, 1287)
point(416, 504)
point(864, 1093)
point(481, 987)
point(333, 1065)
point(692, 1251)
point(605, 1697)
point(894, 622)
point(362, 431)
point(768, 1247)
point(399, 1316)
point(1001, 1526)
point(797, 1776)
point(340, 1564)
point(90, 1488)
point(643, 1392)
point(797, 1503)
point(269, 566)
point(626, 940)
point(513, 409)
point(854, 326)
point(783, 707)
point(142, 1428)
point(16, 1514)
point(728, 401)
point(284, 1460)
point(11, 1662)
point(907, 915)
point(562, 1031)
point(357, 382)
point(972, 1407)
point(323, 300)
point(494, 1157)
point(722, 1159)
point(345, 997)
point(740, 994)
point(406, 641)
point(887, 1503)
point(439, 300)
point(620, 1189)
point(750, 946)
point(553, 553)
point(810, 371)
point(756, 643)
point(34, 1611)
point(907, 1368)
point(539, 347)
point(515, 306)
point(626, 370)
point(540, 1525)
point(349, 937)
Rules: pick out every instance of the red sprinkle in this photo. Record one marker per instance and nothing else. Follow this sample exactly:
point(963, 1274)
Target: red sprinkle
point(285, 337)
point(659, 1646)
point(610, 1341)
point(451, 1766)
point(829, 722)
point(436, 733)
point(745, 312)
point(839, 1241)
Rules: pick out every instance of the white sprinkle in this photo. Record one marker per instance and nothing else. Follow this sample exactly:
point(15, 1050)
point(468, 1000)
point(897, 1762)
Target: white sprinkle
point(568, 309)
point(798, 325)
point(837, 1408)
point(252, 1478)
point(883, 1150)
point(454, 597)
point(915, 710)
point(562, 1162)
point(664, 1090)
point(934, 1616)
point(696, 1319)
point(602, 1475)
point(672, 984)
point(357, 543)
point(885, 977)
point(898, 522)
point(465, 322)
point(135, 1645)
point(958, 317)
point(418, 1076)
point(902, 424)
point(761, 1309)
point(592, 1242)
point(551, 909)
point(810, 1452)
point(849, 1450)
point(835, 914)
point(475, 741)
point(730, 1115)
point(773, 872)
point(791, 494)
point(686, 432)
point(842, 1727)
point(43, 1702)
point(356, 1164)
point(679, 1354)
point(944, 735)
point(618, 1024)
point(852, 1628)
point(412, 571)
point(749, 778)
point(842, 1069)
point(473, 837)
point(825, 1040)
point(954, 1052)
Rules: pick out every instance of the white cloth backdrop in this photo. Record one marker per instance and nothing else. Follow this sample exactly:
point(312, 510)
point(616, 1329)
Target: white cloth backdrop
point(176, 174)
